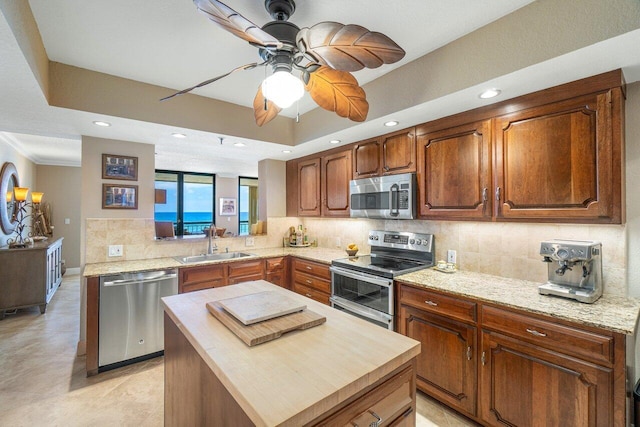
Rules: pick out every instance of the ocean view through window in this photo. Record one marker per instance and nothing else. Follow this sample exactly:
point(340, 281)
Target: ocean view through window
point(190, 201)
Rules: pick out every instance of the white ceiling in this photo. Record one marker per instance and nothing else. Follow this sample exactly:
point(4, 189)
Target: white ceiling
point(168, 43)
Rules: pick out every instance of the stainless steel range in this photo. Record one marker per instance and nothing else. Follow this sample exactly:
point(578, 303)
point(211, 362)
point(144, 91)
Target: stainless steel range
point(363, 285)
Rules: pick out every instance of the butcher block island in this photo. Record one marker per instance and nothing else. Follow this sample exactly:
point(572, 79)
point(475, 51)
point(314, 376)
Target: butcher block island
point(345, 371)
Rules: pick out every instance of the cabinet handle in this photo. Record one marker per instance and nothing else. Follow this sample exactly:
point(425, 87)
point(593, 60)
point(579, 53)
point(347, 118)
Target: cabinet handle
point(498, 193)
point(309, 281)
point(485, 197)
point(469, 353)
point(484, 358)
point(536, 333)
point(431, 303)
point(307, 295)
point(309, 268)
point(378, 420)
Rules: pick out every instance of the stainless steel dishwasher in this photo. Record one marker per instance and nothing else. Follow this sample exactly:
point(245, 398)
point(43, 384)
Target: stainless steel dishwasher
point(131, 325)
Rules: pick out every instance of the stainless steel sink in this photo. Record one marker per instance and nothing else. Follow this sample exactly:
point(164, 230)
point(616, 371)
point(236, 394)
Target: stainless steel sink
point(211, 257)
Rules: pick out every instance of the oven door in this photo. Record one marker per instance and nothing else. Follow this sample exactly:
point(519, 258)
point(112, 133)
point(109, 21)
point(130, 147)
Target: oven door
point(373, 316)
point(367, 290)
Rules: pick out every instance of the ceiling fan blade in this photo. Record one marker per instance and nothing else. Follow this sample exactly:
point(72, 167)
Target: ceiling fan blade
point(338, 91)
point(236, 24)
point(206, 82)
point(264, 110)
point(348, 47)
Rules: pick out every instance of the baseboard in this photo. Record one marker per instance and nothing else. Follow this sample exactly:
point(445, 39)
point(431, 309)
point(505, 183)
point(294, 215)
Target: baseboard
point(81, 349)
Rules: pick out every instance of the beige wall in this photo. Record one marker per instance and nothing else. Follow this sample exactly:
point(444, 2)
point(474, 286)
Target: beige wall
point(61, 188)
point(633, 195)
point(26, 175)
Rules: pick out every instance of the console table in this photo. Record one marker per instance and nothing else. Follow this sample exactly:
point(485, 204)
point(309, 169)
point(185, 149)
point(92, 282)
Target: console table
point(30, 276)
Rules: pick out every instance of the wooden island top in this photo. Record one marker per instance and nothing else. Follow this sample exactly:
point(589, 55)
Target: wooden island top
point(297, 379)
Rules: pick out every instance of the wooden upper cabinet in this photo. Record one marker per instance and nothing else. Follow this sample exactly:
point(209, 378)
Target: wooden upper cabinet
point(454, 171)
point(399, 152)
point(366, 159)
point(336, 174)
point(309, 187)
point(386, 155)
point(561, 161)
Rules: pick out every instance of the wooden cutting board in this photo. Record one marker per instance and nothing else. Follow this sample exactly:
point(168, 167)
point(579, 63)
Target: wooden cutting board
point(259, 306)
point(266, 330)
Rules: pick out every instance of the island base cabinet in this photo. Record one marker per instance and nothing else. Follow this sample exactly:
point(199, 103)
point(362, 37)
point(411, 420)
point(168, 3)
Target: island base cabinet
point(551, 389)
point(193, 395)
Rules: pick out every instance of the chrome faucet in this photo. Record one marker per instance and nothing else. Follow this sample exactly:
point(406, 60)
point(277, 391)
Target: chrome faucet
point(212, 235)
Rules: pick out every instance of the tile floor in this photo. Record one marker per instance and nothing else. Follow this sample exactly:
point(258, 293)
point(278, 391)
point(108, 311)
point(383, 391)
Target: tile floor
point(43, 382)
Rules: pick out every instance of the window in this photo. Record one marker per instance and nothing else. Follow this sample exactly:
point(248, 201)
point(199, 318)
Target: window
point(190, 201)
point(248, 203)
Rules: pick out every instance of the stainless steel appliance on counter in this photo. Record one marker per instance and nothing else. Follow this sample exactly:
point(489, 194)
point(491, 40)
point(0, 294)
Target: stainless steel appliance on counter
point(574, 269)
point(391, 196)
point(363, 285)
point(131, 320)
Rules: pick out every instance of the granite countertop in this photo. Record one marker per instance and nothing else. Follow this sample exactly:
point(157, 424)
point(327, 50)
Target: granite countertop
point(323, 255)
point(617, 314)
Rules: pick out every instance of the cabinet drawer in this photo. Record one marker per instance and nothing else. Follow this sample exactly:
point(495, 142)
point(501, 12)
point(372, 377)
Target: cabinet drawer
point(573, 341)
point(247, 268)
point(437, 303)
point(313, 268)
point(322, 285)
point(204, 277)
point(392, 401)
point(245, 278)
point(311, 293)
point(274, 264)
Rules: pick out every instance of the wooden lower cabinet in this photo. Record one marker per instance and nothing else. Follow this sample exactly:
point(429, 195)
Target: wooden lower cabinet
point(311, 279)
point(528, 370)
point(245, 271)
point(202, 277)
point(276, 270)
point(447, 364)
point(525, 385)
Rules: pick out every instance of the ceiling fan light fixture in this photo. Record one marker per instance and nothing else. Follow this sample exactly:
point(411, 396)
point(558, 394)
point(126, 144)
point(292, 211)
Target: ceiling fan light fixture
point(282, 88)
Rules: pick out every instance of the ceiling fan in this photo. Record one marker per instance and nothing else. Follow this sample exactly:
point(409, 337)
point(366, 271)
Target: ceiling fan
point(324, 54)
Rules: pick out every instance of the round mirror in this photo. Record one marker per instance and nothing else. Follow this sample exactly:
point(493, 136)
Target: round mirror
point(8, 206)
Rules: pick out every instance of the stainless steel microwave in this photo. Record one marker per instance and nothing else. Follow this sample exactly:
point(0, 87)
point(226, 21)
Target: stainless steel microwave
point(390, 197)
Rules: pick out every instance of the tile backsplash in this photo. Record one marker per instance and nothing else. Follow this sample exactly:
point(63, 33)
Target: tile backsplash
point(501, 249)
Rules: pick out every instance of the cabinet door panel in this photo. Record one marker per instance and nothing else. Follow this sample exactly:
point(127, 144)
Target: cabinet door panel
point(454, 171)
point(309, 188)
point(366, 159)
point(399, 152)
point(550, 389)
point(336, 174)
point(555, 161)
point(447, 363)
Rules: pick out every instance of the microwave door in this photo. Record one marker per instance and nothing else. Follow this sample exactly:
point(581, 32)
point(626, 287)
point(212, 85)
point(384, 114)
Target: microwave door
point(394, 211)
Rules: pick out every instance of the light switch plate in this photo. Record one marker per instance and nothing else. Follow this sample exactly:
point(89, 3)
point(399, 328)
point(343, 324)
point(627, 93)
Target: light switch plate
point(115, 250)
point(451, 256)
point(249, 241)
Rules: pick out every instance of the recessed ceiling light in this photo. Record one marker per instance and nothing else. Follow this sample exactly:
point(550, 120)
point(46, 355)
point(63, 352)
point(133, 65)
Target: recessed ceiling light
point(178, 135)
point(100, 123)
point(334, 141)
point(286, 151)
point(392, 123)
point(490, 93)
point(239, 144)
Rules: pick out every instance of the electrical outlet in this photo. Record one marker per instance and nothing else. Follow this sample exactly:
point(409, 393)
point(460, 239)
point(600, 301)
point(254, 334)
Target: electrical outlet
point(451, 256)
point(249, 241)
point(115, 250)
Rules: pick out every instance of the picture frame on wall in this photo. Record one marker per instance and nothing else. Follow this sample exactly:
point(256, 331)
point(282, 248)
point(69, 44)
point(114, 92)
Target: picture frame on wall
point(119, 196)
point(227, 206)
point(119, 167)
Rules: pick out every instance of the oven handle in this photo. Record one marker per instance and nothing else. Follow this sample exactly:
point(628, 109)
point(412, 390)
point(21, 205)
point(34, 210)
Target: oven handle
point(362, 276)
point(380, 317)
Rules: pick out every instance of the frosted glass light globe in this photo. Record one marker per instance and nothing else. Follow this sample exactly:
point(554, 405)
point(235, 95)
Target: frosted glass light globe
point(282, 88)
